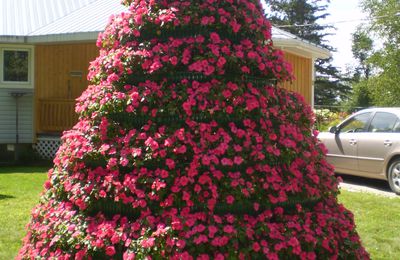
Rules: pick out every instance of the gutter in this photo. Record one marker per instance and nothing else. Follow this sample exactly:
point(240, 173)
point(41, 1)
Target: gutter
point(317, 52)
point(13, 39)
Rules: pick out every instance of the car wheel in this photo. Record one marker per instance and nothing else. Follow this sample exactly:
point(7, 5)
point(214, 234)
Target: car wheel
point(394, 176)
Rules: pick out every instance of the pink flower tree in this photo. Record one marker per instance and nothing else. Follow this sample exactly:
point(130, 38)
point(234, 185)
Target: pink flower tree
point(186, 149)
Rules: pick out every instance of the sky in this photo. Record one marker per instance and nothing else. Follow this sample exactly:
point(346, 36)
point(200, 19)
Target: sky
point(349, 11)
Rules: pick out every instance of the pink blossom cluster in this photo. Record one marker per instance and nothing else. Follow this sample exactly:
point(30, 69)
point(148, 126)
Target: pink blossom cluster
point(214, 164)
point(208, 54)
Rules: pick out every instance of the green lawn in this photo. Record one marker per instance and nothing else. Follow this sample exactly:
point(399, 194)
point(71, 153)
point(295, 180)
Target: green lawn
point(19, 192)
point(377, 217)
point(378, 222)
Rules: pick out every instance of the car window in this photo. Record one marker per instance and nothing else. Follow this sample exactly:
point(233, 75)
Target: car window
point(396, 127)
point(383, 122)
point(357, 123)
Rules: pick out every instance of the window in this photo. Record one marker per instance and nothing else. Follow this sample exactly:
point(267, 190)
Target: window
point(15, 65)
point(355, 124)
point(383, 122)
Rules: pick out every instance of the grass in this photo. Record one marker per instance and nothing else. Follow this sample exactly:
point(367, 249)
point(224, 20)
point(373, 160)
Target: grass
point(19, 192)
point(377, 217)
point(377, 220)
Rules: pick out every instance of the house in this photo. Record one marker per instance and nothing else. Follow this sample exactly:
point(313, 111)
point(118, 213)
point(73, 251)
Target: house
point(45, 50)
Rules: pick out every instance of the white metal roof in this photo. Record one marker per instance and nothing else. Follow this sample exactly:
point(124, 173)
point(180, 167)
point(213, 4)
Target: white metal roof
point(21, 17)
point(33, 21)
point(90, 18)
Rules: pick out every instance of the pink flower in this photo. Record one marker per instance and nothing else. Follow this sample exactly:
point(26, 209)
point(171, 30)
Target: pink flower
point(149, 242)
point(151, 143)
point(110, 250)
point(205, 160)
point(180, 243)
point(204, 20)
point(230, 199)
point(183, 181)
point(187, 107)
point(115, 239)
point(239, 54)
point(81, 204)
point(226, 93)
point(170, 163)
point(221, 62)
point(128, 256)
point(80, 254)
point(238, 160)
point(235, 26)
point(102, 194)
point(245, 69)
point(200, 239)
point(215, 38)
point(226, 162)
point(173, 60)
point(181, 149)
point(256, 247)
point(209, 70)
point(256, 206)
point(229, 229)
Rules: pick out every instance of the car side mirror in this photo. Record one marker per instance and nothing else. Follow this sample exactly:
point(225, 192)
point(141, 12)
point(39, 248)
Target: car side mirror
point(334, 129)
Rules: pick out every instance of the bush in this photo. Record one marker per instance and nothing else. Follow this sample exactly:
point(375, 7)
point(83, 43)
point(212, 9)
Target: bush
point(185, 150)
point(326, 118)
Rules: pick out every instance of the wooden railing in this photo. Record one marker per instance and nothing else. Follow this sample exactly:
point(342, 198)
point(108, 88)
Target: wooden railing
point(55, 115)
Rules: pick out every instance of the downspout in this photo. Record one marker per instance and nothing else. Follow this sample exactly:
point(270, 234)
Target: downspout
point(16, 96)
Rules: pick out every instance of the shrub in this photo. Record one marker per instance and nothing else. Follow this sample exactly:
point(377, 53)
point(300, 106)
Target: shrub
point(185, 149)
point(326, 118)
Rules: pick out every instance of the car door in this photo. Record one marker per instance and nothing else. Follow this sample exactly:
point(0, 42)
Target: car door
point(377, 143)
point(342, 147)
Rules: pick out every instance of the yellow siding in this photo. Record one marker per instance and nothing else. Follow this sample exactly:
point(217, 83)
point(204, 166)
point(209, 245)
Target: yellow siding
point(302, 71)
point(54, 63)
point(56, 89)
point(56, 86)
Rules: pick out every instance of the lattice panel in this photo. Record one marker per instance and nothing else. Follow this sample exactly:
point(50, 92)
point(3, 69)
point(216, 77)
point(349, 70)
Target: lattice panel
point(47, 147)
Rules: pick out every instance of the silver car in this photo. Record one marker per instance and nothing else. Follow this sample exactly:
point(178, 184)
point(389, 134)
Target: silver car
point(367, 144)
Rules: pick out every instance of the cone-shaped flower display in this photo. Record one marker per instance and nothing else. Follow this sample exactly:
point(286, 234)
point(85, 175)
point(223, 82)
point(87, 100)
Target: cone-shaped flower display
point(186, 149)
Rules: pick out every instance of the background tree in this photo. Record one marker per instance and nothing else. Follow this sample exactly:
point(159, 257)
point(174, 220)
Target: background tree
point(385, 25)
point(301, 18)
point(362, 48)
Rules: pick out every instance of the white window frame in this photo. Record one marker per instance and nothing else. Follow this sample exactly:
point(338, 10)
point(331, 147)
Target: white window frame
point(17, 84)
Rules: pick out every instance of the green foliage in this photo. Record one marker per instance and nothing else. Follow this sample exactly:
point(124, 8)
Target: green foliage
point(384, 83)
point(330, 86)
point(290, 12)
point(326, 118)
point(361, 96)
point(362, 48)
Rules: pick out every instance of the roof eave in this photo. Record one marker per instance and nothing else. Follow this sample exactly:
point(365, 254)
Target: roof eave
point(294, 45)
point(66, 37)
point(309, 50)
point(12, 39)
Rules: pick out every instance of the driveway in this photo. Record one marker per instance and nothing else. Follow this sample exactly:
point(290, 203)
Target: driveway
point(359, 184)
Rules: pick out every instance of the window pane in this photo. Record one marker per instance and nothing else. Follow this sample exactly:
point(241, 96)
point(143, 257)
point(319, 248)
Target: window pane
point(15, 66)
point(383, 122)
point(356, 124)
